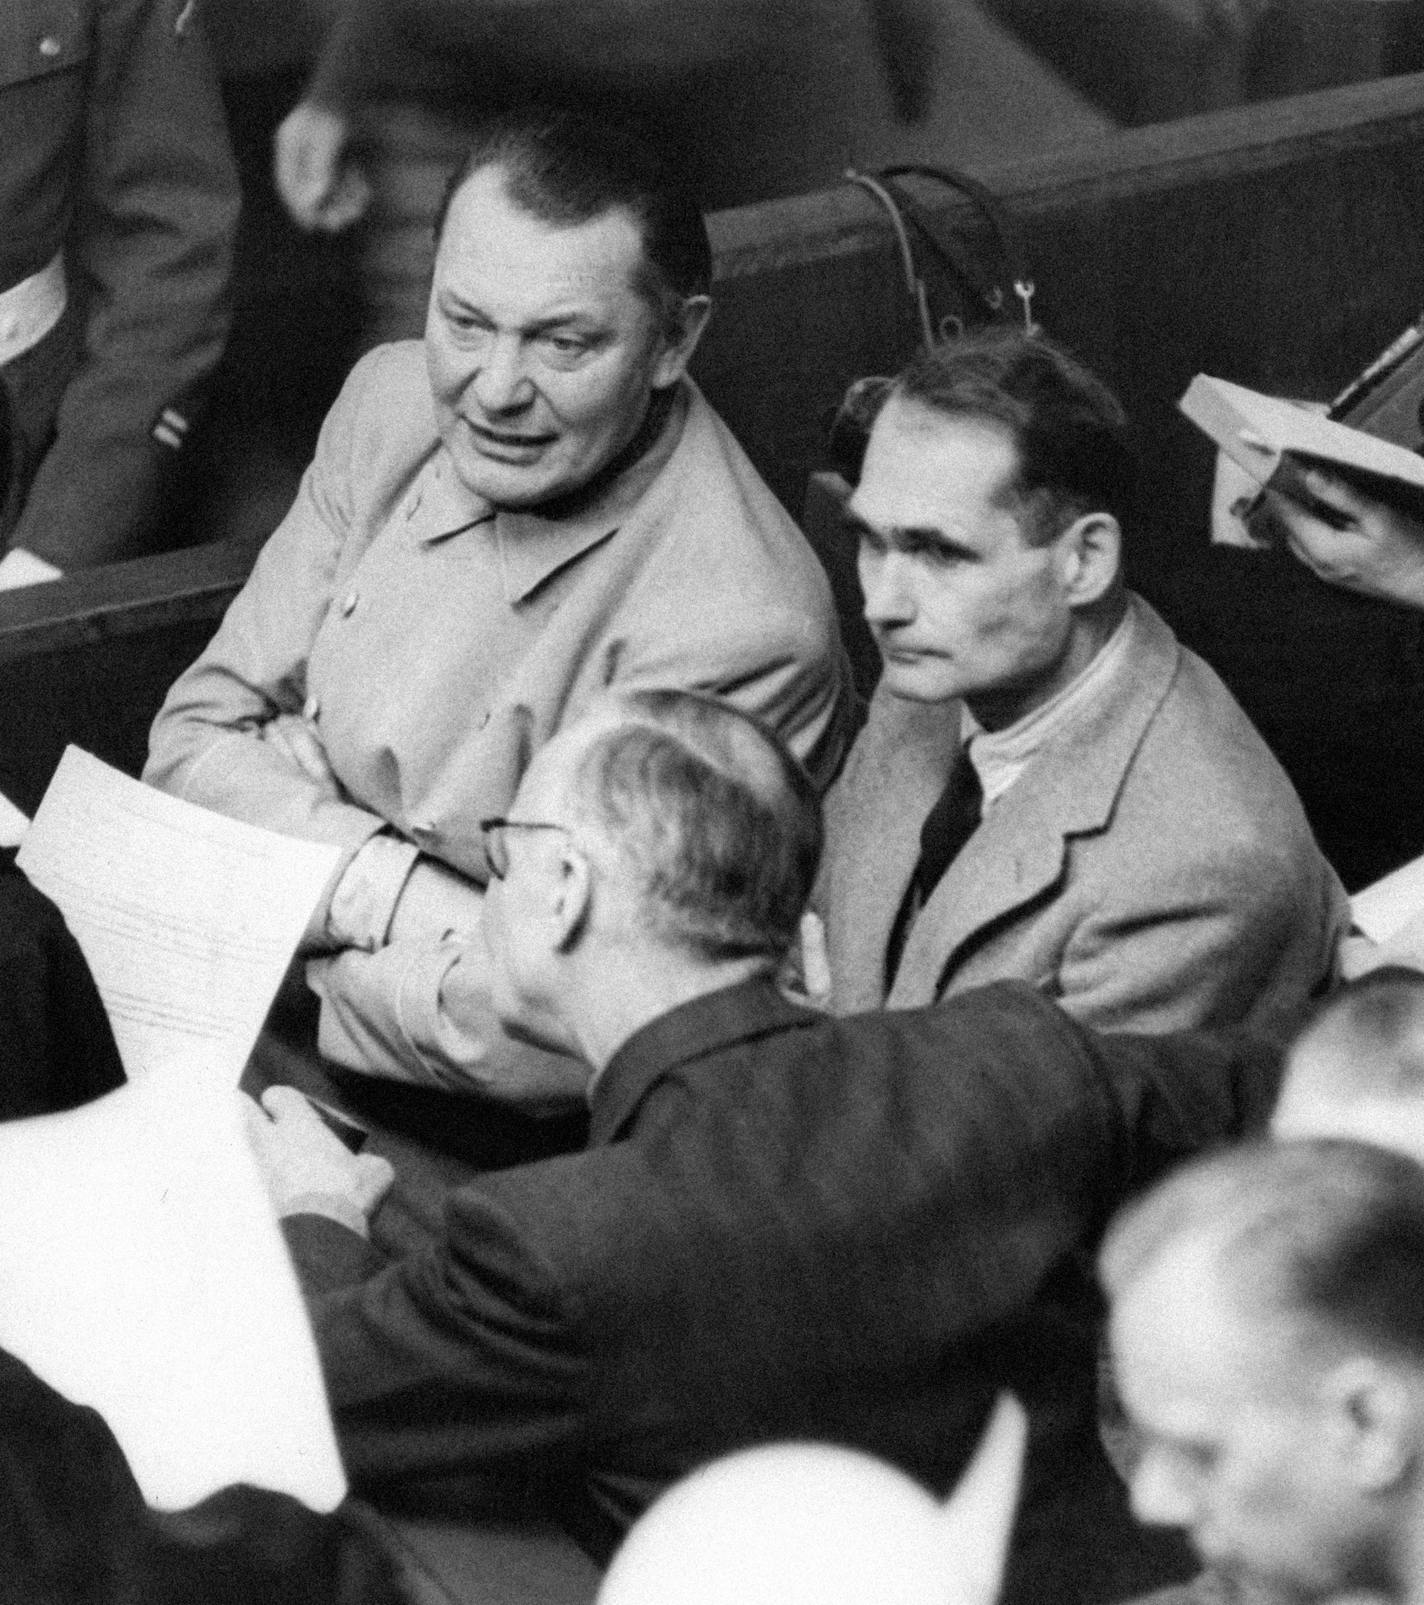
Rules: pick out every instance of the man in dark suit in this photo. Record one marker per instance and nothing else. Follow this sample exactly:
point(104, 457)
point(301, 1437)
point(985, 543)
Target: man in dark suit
point(784, 1224)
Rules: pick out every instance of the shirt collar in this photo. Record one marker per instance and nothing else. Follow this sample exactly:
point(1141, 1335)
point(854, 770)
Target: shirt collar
point(1001, 756)
point(534, 544)
point(691, 1031)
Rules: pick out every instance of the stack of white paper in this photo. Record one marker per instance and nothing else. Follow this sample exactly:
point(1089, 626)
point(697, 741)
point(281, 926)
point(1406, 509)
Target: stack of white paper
point(188, 919)
point(1383, 910)
point(13, 823)
point(142, 1273)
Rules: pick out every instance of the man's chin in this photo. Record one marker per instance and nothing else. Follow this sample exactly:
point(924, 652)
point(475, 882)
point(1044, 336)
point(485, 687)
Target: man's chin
point(917, 682)
point(514, 486)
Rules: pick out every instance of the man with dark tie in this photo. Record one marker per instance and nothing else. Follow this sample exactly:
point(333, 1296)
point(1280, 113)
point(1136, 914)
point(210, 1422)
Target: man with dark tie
point(1049, 787)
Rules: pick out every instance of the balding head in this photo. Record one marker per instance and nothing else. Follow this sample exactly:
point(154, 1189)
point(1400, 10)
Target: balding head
point(1357, 1069)
point(665, 844)
point(715, 825)
point(1268, 1332)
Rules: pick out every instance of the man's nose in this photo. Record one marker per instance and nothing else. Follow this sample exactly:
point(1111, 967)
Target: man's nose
point(885, 583)
point(500, 382)
point(1163, 1492)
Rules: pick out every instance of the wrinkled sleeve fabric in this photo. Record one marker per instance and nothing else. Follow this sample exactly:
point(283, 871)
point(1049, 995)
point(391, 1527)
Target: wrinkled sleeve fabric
point(205, 745)
point(150, 251)
point(422, 1012)
point(1200, 943)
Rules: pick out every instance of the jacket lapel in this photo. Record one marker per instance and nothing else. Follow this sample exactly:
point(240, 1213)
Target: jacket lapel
point(1070, 789)
point(900, 765)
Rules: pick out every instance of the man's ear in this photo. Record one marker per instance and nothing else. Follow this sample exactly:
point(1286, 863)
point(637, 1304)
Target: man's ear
point(573, 898)
point(1091, 550)
point(1369, 1413)
point(684, 330)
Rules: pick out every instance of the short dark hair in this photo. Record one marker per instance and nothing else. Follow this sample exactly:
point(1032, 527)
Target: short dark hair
point(565, 168)
point(1068, 429)
point(1326, 1230)
point(715, 820)
point(1379, 1018)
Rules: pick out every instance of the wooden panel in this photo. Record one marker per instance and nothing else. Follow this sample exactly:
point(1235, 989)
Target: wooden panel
point(87, 659)
point(1278, 245)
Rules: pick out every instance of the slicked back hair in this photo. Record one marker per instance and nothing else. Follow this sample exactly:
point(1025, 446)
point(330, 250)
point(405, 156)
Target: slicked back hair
point(1068, 429)
point(712, 818)
point(1377, 1025)
point(1328, 1233)
point(565, 168)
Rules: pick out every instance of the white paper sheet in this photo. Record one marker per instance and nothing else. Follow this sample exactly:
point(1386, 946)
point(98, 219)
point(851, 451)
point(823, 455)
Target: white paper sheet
point(1384, 909)
point(142, 1273)
point(13, 823)
point(188, 919)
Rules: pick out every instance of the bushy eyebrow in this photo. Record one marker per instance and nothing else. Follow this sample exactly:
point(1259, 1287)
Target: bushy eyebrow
point(907, 537)
point(561, 320)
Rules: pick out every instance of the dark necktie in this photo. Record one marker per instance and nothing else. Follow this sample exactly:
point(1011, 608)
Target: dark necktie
point(948, 825)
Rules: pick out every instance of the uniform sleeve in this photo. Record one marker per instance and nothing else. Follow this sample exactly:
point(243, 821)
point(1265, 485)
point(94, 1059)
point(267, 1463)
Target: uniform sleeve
point(150, 252)
point(450, 1367)
point(421, 1012)
point(205, 744)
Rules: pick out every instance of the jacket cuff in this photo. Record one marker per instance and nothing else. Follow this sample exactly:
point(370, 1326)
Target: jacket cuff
point(364, 899)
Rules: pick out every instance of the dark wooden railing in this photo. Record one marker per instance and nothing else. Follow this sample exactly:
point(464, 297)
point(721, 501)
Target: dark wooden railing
point(1279, 245)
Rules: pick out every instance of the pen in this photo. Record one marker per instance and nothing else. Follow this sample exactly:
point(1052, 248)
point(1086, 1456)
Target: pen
point(1393, 353)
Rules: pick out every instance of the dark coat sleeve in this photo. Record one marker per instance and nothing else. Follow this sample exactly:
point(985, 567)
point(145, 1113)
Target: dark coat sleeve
point(428, 49)
point(56, 1048)
point(455, 1374)
point(1184, 1093)
point(71, 1514)
point(149, 253)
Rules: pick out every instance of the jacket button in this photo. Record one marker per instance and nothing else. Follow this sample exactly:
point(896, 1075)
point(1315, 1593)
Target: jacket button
point(50, 47)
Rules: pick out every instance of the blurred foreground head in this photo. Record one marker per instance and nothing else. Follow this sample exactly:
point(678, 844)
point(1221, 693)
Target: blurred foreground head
point(810, 1524)
point(1357, 1069)
point(1268, 1333)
